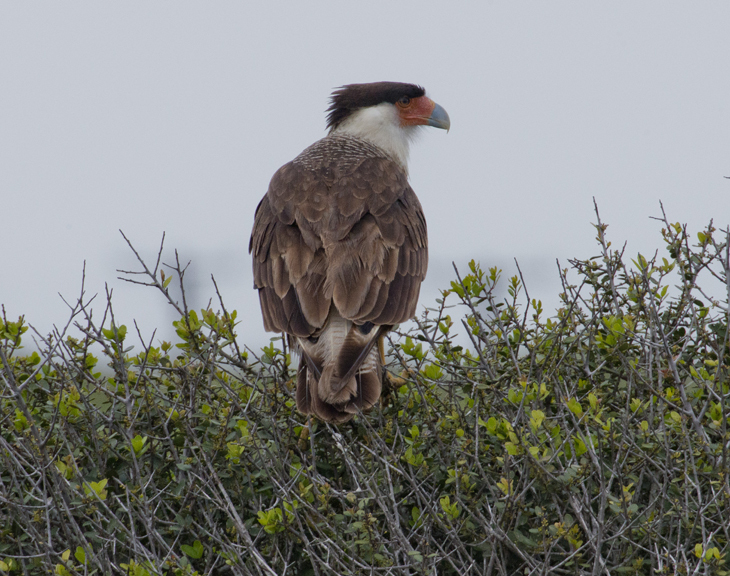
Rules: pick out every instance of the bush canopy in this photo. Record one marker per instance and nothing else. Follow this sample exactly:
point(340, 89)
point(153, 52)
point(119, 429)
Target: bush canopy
point(590, 440)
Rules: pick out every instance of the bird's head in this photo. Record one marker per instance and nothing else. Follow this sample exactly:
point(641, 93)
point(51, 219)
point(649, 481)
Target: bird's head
point(387, 114)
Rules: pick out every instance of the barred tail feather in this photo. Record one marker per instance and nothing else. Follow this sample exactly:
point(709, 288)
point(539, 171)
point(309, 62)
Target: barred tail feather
point(340, 371)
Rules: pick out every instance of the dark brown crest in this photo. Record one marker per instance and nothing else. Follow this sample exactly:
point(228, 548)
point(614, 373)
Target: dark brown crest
point(348, 99)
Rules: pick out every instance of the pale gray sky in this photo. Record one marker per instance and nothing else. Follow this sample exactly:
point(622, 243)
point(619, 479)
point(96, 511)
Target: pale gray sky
point(159, 116)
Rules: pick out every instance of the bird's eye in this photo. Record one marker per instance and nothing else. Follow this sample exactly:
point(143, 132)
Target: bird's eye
point(404, 101)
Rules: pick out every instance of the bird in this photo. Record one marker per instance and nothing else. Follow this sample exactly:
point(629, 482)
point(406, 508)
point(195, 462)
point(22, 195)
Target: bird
point(340, 248)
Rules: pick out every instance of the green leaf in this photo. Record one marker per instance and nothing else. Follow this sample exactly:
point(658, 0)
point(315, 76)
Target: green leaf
point(138, 443)
point(492, 425)
point(512, 448)
point(432, 372)
point(575, 407)
point(411, 458)
point(413, 350)
point(20, 422)
point(97, 488)
point(195, 551)
point(593, 401)
point(415, 555)
point(506, 486)
point(580, 446)
point(451, 509)
point(271, 520)
point(536, 419)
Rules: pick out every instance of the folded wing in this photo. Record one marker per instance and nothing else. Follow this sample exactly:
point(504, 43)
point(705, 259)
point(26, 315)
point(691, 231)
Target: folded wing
point(339, 250)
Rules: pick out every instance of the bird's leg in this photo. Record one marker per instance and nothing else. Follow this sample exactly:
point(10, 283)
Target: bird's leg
point(304, 436)
point(388, 383)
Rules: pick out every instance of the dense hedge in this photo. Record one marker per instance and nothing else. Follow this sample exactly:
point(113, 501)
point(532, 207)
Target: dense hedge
point(591, 440)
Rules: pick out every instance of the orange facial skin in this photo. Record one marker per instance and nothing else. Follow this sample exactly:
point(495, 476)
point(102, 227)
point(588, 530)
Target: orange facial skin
point(415, 111)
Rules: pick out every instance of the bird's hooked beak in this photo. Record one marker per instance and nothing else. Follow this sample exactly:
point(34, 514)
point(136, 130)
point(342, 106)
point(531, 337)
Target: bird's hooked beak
point(439, 118)
point(423, 111)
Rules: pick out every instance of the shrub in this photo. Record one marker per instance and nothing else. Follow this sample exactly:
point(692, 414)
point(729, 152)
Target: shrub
point(594, 440)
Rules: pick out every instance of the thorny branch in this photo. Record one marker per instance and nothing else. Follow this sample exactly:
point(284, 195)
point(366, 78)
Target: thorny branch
point(507, 441)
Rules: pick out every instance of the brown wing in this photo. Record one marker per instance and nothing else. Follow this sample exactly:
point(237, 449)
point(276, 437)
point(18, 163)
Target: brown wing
point(288, 273)
point(343, 230)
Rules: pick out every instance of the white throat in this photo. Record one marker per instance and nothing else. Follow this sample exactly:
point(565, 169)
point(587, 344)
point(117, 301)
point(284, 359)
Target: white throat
point(380, 125)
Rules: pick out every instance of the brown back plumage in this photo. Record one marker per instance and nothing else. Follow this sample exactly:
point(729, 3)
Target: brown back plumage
point(339, 251)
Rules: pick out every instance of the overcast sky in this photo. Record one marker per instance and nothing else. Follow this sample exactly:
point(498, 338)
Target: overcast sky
point(159, 116)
